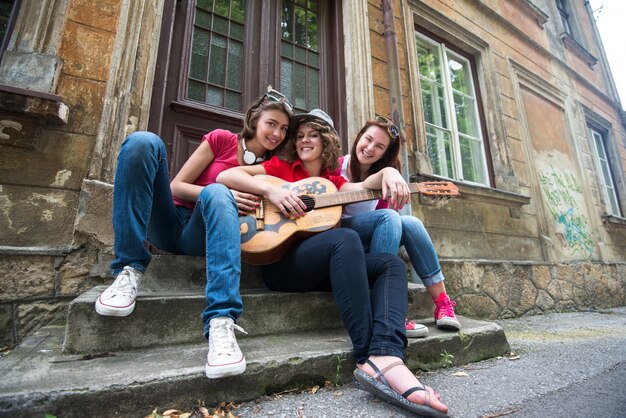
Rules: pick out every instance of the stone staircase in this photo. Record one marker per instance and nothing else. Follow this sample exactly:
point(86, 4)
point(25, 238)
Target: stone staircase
point(96, 366)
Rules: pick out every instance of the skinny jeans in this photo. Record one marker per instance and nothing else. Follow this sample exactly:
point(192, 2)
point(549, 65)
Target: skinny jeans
point(384, 230)
point(369, 289)
point(143, 209)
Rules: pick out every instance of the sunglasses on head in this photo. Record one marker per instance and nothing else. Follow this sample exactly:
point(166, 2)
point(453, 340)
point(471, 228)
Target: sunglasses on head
point(392, 129)
point(276, 96)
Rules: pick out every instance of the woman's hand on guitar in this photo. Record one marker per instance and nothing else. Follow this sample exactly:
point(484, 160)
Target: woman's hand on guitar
point(287, 202)
point(394, 188)
point(246, 202)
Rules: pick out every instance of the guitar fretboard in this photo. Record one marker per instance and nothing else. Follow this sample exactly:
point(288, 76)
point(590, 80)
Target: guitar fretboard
point(345, 198)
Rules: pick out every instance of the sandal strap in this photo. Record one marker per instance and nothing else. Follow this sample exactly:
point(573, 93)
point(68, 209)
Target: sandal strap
point(408, 393)
point(380, 374)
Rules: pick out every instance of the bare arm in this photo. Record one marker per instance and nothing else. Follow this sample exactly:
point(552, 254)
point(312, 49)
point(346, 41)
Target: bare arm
point(182, 186)
point(393, 185)
point(241, 178)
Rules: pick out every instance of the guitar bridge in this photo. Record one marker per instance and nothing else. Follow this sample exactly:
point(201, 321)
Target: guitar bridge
point(260, 217)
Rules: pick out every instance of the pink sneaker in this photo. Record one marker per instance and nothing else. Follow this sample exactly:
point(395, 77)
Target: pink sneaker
point(444, 313)
point(414, 330)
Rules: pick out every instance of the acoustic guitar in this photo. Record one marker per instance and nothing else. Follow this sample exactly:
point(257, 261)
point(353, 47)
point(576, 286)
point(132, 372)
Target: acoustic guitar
point(267, 234)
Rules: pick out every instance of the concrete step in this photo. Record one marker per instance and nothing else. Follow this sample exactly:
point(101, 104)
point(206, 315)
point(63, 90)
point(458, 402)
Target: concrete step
point(38, 378)
point(171, 299)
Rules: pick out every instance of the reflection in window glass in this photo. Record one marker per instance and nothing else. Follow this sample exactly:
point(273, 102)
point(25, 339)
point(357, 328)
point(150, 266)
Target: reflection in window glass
point(606, 177)
point(299, 65)
point(216, 62)
point(454, 139)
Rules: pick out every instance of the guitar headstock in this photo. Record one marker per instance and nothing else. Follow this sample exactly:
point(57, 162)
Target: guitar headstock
point(438, 189)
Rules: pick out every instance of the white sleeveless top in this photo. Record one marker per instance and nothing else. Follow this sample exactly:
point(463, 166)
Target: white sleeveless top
point(355, 208)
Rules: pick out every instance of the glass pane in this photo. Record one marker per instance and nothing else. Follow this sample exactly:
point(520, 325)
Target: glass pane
point(215, 96)
point(440, 152)
point(235, 62)
point(236, 31)
point(198, 67)
point(195, 91)
point(300, 30)
point(301, 2)
point(217, 60)
point(466, 120)
point(313, 5)
point(433, 101)
point(313, 59)
point(286, 49)
point(299, 78)
point(199, 48)
point(203, 19)
point(205, 4)
point(220, 25)
point(472, 159)
point(286, 22)
point(300, 54)
point(312, 31)
point(286, 78)
point(313, 77)
point(428, 60)
point(238, 11)
point(221, 7)
point(233, 100)
point(458, 77)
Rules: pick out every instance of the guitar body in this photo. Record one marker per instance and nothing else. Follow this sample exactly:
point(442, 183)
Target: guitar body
point(267, 234)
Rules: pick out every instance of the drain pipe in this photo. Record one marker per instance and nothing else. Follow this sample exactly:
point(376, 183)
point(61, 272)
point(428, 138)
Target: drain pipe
point(395, 91)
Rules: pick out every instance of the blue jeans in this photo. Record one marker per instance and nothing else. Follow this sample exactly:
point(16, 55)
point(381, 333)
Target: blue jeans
point(143, 209)
point(369, 289)
point(384, 230)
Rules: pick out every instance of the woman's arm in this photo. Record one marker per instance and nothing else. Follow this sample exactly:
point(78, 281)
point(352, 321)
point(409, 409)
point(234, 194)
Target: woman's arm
point(182, 186)
point(393, 185)
point(241, 178)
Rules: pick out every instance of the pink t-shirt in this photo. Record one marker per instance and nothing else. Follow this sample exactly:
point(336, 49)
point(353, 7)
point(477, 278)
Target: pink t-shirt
point(223, 143)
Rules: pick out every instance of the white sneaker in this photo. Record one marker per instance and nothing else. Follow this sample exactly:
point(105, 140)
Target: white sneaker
point(224, 357)
point(415, 330)
point(119, 298)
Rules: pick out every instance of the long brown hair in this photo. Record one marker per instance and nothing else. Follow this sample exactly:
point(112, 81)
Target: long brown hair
point(254, 112)
point(330, 142)
point(391, 157)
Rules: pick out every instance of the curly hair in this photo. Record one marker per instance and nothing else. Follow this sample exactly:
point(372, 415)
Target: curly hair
point(254, 112)
point(330, 142)
point(391, 157)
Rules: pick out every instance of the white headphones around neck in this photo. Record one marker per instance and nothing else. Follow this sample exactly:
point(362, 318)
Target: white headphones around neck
point(248, 156)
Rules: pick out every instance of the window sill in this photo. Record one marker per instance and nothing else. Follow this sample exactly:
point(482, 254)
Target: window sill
point(473, 192)
point(26, 111)
point(578, 50)
point(615, 221)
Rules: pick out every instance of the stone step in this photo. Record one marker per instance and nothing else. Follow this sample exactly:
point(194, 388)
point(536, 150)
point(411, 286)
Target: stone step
point(38, 378)
point(173, 317)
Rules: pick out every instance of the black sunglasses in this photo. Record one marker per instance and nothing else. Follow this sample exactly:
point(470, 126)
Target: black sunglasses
point(276, 96)
point(392, 129)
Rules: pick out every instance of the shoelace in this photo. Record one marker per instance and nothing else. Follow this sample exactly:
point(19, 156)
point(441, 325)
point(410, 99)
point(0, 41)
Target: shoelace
point(447, 307)
point(223, 338)
point(126, 283)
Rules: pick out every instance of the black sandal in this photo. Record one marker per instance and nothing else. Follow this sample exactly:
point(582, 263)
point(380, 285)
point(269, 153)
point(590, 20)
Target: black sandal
point(378, 386)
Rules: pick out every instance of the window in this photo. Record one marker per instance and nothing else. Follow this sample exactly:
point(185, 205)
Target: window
point(217, 44)
point(8, 10)
point(602, 162)
point(454, 137)
point(562, 7)
point(299, 58)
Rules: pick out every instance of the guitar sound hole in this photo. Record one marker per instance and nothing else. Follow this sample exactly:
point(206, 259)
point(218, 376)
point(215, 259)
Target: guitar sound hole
point(309, 201)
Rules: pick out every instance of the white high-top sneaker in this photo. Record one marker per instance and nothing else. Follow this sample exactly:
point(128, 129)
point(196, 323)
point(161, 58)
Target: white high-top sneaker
point(119, 298)
point(224, 357)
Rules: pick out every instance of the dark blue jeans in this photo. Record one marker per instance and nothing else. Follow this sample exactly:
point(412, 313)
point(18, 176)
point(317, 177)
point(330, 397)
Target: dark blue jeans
point(370, 290)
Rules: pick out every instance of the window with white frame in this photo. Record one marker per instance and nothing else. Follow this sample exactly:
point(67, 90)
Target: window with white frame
point(454, 136)
point(607, 185)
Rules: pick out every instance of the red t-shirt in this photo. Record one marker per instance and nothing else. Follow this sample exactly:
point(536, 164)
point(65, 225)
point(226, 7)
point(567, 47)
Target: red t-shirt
point(292, 172)
point(223, 143)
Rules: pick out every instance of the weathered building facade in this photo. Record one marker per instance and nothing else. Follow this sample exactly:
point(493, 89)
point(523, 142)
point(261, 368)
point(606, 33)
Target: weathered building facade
point(513, 100)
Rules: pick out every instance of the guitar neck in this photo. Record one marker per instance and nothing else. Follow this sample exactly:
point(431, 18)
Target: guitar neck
point(346, 198)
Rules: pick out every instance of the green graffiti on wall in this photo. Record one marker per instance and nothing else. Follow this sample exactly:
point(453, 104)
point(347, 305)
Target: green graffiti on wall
point(563, 193)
